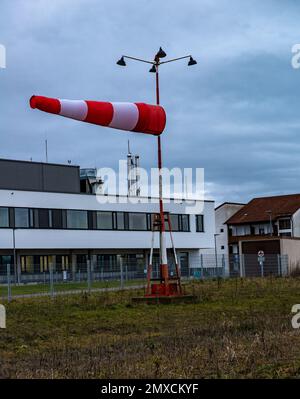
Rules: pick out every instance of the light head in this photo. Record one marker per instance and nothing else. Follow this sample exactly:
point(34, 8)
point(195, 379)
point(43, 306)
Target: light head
point(121, 62)
point(192, 61)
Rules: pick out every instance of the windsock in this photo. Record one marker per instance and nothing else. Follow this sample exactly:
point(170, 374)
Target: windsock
point(135, 117)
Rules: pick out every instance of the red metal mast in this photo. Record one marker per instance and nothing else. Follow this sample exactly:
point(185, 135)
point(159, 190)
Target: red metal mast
point(164, 286)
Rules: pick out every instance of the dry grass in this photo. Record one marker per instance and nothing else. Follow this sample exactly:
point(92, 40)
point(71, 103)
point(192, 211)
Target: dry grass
point(235, 329)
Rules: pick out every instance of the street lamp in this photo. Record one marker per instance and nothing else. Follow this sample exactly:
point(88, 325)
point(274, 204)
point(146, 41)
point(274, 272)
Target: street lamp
point(270, 219)
point(155, 64)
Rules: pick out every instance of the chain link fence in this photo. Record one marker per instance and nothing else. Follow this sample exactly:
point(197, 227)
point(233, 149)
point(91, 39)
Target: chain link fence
point(119, 272)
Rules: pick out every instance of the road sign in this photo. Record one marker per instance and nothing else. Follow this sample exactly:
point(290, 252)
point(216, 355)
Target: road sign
point(261, 254)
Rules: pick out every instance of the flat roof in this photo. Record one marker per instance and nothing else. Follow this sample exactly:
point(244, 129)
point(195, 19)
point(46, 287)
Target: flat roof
point(39, 162)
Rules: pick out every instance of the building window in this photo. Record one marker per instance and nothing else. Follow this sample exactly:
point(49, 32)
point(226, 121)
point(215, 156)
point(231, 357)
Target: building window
point(120, 221)
point(56, 219)
point(42, 263)
point(184, 225)
point(284, 224)
point(107, 263)
point(81, 263)
point(285, 234)
point(4, 219)
point(199, 223)
point(77, 219)
point(62, 262)
point(104, 220)
point(43, 218)
point(137, 221)
point(222, 247)
point(22, 217)
point(27, 264)
point(221, 230)
point(174, 219)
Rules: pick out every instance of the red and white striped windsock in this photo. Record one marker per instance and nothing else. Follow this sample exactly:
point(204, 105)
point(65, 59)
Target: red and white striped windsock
point(135, 117)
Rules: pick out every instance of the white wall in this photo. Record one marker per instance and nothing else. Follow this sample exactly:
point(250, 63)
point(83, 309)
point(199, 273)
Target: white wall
point(222, 214)
point(296, 223)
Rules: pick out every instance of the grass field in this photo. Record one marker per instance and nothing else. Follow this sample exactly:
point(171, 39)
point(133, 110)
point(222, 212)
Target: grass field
point(235, 329)
point(28, 289)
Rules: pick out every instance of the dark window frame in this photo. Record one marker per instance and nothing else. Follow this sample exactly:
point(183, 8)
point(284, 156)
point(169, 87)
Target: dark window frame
point(8, 217)
point(281, 223)
point(57, 219)
point(198, 230)
point(138, 213)
point(112, 220)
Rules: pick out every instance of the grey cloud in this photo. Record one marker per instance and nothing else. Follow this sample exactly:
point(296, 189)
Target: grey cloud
point(236, 113)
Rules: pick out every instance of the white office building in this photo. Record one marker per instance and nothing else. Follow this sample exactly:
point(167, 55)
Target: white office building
point(45, 218)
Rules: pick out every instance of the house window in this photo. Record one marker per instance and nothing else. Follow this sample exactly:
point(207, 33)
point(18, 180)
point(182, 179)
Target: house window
point(200, 223)
point(4, 219)
point(285, 234)
point(222, 247)
point(77, 219)
point(137, 221)
point(104, 220)
point(284, 224)
point(221, 230)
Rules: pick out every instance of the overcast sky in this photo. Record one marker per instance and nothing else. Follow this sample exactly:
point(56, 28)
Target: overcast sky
point(236, 113)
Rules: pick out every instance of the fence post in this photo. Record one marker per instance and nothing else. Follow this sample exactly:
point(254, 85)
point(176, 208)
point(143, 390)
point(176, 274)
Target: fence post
point(279, 270)
point(119, 259)
point(51, 280)
point(262, 268)
point(223, 265)
point(241, 262)
point(8, 282)
point(88, 263)
point(202, 267)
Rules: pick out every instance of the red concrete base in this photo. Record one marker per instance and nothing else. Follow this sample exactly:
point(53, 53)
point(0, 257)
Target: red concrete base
point(160, 289)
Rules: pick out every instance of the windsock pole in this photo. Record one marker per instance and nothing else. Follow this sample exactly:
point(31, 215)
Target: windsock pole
point(164, 273)
point(168, 285)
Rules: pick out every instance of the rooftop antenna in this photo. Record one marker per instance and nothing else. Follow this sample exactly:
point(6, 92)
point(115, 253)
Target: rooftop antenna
point(46, 150)
point(133, 174)
point(128, 143)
